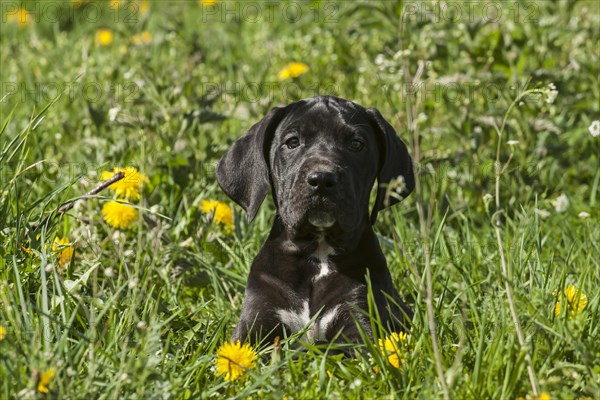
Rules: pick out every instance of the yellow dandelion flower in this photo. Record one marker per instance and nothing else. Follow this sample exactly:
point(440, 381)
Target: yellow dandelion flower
point(233, 359)
point(394, 348)
point(143, 38)
point(45, 380)
point(135, 40)
point(292, 70)
point(104, 37)
point(131, 184)
point(114, 4)
point(2, 333)
point(544, 396)
point(208, 3)
point(222, 213)
point(119, 215)
point(144, 6)
point(66, 250)
point(575, 299)
point(146, 37)
point(21, 17)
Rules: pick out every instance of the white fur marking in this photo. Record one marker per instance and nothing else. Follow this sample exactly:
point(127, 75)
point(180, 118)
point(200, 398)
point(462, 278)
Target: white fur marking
point(295, 320)
point(323, 324)
point(300, 320)
point(323, 271)
point(322, 253)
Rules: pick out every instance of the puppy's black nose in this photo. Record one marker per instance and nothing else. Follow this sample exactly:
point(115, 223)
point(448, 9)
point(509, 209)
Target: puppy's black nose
point(321, 180)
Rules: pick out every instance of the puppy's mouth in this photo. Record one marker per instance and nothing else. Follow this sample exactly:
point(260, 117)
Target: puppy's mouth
point(321, 219)
point(322, 213)
point(316, 213)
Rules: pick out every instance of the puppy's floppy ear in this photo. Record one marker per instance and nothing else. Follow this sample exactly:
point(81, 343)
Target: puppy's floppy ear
point(394, 161)
point(243, 172)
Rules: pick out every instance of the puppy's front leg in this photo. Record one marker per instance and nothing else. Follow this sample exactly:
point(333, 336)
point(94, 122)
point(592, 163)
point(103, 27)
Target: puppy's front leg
point(259, 321)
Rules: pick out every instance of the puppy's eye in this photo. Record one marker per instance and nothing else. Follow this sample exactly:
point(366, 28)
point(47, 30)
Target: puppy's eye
point(357, 145)
point(292, 142)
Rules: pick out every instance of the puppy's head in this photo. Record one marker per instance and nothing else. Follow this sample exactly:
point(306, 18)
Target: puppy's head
point(321, 157)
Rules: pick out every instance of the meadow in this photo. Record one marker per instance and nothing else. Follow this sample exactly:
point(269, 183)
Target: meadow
point(497, 250)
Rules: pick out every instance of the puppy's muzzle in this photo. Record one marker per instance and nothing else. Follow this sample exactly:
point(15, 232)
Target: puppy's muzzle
point(322, 185)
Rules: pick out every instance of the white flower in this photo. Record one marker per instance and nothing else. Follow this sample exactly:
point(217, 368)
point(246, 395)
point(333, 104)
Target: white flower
point(109, 272)
point(542, 213)
point(118, 237)
point(583, 215)
point(512, 142)
point(401, 53)
point(112, 113)
point(355, 384)
point(552, 93)
point(594, 128)
point(27, 394)
point(487, 200)
point(561, 203)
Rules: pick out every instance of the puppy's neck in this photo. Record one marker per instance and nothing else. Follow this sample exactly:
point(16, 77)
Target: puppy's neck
point(331, 241)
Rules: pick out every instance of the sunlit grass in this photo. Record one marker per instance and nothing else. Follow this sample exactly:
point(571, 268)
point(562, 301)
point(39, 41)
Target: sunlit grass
point(140, 309)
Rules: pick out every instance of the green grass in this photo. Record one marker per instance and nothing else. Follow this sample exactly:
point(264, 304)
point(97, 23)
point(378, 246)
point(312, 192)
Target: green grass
point(140, 313)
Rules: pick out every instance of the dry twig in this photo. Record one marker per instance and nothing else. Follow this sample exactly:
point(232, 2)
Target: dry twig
point(100, 187)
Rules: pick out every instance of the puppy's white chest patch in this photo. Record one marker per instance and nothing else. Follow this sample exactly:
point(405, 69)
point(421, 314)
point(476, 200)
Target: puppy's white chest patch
point(322, 253)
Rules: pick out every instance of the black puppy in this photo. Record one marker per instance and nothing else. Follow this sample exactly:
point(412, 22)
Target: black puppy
point(320, 157)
